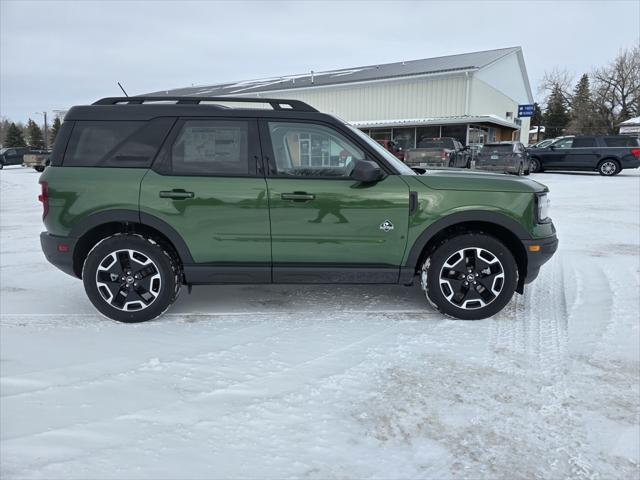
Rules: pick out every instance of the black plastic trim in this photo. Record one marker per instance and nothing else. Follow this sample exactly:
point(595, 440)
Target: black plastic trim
point(133, 216)
point(61, 260)
point(462, 217)
point(535, 260)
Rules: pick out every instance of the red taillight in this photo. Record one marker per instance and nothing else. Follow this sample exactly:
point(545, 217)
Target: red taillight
point(635, 152)
point(44, 198)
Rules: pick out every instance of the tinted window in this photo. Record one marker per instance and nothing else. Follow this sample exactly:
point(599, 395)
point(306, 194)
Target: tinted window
point(309, 150)
point(496, 149)
point(584, 142)
point(212, 147)
point(437, 143)
point(621, 141)
point(115, 143)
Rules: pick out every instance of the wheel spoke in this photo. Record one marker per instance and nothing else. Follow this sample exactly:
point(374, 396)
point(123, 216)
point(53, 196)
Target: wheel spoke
point(146, 296)
point(105, 276)
point(146, 271)
point(120, 298)
point(484, 293)
point(461, 295)
point(125, 261)
point(450, 274)
point(470, 258)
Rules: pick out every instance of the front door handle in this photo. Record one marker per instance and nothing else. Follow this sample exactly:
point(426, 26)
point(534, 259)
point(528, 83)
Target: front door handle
point(298, 196)
point(176, 194)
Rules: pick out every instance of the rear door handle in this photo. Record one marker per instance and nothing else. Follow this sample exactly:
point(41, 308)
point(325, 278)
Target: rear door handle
point(176, 194)
point(298, 196)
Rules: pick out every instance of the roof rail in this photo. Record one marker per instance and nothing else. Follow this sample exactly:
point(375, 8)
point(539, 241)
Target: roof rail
point(275, 103)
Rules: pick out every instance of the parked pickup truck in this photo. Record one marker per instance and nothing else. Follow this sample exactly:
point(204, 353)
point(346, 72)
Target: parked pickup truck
point(37, 160)
point(608, 155)
point(392, 147)
point(438, 152)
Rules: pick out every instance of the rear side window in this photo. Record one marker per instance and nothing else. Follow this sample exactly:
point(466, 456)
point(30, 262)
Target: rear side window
point(621, 141)
point(584, 142)
point(212, 147)
point(131, 144)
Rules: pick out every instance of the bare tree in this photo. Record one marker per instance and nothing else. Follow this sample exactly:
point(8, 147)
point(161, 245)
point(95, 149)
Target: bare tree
point(616, 89)
point(557, 81)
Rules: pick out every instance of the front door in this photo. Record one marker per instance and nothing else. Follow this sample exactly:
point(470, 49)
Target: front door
point(555, 156)
point(326, 227)
point(207, 186)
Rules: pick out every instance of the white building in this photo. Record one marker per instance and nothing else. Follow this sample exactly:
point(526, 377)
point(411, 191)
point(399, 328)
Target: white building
point(472, 96)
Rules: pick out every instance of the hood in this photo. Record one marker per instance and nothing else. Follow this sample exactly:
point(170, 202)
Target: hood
point(479, 181)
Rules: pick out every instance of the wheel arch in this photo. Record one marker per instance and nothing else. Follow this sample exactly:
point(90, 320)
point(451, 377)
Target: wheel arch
point(103, 224)
point(613, 159)
point(505, 229)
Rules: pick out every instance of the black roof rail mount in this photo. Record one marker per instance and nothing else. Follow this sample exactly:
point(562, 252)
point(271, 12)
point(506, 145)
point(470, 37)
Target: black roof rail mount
point(276, 104)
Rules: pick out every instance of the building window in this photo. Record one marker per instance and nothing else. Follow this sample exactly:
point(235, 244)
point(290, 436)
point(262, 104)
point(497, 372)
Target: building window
point(459, 132)
point(381, 134)
point(405, 137)
point(432, 131)
point(478, 135)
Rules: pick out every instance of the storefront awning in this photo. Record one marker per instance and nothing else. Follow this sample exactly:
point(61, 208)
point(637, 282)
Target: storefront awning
point(416, 122)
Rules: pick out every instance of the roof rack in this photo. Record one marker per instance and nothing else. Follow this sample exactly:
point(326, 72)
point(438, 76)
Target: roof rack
point(276, 104)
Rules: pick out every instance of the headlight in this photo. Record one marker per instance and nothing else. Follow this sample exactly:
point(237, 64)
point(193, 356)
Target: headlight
point(543, 207)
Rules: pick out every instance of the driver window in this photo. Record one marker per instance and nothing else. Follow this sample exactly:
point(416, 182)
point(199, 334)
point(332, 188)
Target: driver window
point(566, 143)
point(310, 150)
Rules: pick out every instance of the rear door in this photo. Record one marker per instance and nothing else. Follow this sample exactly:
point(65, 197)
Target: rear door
point(583, 153)
point(208, 186)
point(326, 227)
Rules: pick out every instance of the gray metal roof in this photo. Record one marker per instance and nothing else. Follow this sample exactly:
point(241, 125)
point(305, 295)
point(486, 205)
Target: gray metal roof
point(450, 63)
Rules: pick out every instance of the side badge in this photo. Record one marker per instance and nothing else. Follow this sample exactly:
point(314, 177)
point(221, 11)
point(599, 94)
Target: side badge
point(386, 226)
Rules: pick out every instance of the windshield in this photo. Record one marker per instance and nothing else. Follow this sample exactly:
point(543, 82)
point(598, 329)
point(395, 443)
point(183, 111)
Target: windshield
point(389, 157)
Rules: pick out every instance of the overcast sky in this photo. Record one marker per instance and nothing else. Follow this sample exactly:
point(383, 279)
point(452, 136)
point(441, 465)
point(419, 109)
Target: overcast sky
point(56, 54)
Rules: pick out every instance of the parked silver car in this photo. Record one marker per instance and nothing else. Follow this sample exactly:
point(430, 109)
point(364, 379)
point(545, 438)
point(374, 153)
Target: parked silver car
point(506, 157)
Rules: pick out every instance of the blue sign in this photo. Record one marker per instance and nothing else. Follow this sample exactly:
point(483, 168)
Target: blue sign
point(525, 110)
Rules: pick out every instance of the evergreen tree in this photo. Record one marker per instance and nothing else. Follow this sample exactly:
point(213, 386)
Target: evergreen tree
point(55, 127)
point(536, 121)
point(34, 135)
point(555, 116)
point(583, 118)
point(14, 137)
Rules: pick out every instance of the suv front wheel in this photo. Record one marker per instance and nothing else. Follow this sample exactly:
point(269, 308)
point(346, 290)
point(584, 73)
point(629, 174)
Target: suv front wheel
point(470, 276)
point(130, 278)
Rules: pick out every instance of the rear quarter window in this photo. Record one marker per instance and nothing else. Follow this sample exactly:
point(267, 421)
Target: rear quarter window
point(122, 144)
point(621, 141)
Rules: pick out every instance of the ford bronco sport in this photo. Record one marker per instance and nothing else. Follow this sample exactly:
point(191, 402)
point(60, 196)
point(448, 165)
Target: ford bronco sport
point(146, 194)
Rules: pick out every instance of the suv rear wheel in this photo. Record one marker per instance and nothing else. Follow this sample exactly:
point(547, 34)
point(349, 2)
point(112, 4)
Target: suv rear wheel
point(130, 278)
point(470, 276)
point(608, 168)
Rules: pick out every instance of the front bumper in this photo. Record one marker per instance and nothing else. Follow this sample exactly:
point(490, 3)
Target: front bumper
point(536, 257)
point(59, 251)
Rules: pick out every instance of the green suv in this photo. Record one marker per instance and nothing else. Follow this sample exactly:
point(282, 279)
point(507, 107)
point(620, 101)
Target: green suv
point(146, 194)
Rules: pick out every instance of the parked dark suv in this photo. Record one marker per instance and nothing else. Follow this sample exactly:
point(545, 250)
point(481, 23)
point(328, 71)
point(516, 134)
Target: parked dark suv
point(143, 196)
point(608, 155)
point(12, 156)
point(505, 157)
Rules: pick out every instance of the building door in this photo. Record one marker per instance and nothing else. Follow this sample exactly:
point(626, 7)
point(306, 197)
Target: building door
point(324, 225)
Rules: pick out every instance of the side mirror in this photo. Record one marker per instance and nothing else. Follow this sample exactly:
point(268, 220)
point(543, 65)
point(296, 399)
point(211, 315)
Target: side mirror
point(551, 147)
point(366, 171)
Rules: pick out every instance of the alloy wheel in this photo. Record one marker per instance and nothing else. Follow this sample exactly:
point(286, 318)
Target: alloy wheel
point(608, 168)
point(128, 280)
point(471, 278)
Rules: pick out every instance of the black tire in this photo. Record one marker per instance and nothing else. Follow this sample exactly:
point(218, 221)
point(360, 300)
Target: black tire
point(445, 294)
point(39, 168)
point(608, 167)
point(536, 166)
point(144, 296)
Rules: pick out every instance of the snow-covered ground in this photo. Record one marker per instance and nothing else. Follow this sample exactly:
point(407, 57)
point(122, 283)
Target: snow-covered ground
point(330, 381)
